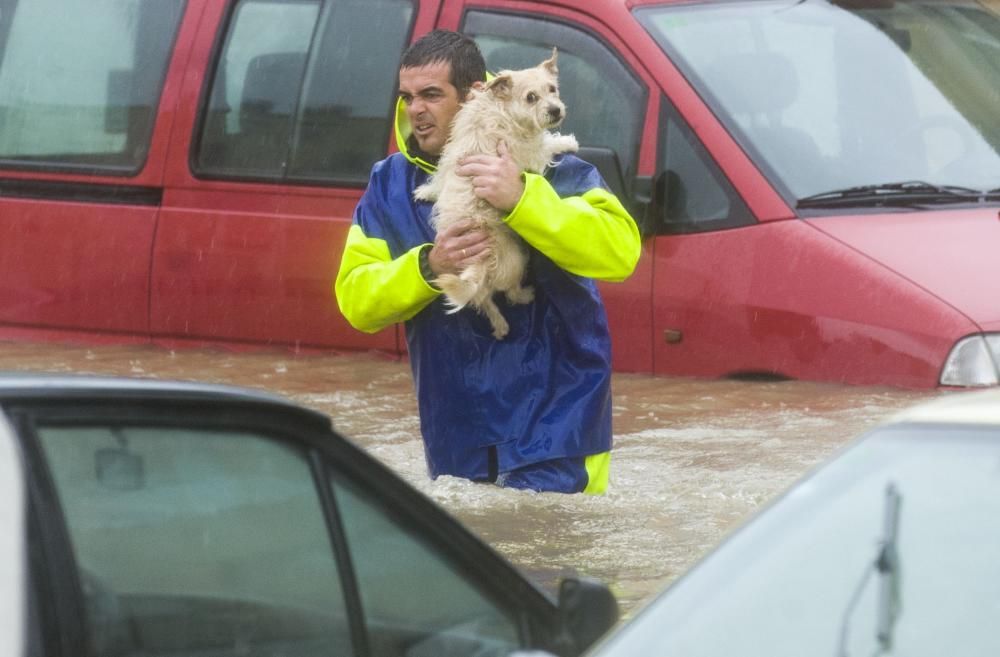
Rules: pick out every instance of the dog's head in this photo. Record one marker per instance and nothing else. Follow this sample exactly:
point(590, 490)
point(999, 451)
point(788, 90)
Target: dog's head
point(531, 96)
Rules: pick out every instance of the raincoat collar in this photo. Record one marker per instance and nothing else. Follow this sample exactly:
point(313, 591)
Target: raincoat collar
point(404, 131)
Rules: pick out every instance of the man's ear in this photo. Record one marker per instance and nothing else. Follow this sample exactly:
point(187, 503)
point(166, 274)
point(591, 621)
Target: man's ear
point(550, 63)
point(501, 85)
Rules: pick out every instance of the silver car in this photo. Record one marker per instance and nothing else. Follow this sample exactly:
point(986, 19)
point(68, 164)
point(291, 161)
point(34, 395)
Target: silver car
point(891, 548)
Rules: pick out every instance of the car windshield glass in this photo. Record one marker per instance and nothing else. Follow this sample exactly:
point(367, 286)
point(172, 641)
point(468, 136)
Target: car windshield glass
point(893, 543)
point(834, 95)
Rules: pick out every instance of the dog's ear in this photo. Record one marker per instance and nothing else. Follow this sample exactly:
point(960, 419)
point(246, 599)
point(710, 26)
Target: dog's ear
point(501, 85)
point(550, 63)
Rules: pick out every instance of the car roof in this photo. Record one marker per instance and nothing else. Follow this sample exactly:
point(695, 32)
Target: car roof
point(965, 407)
point(39, 387)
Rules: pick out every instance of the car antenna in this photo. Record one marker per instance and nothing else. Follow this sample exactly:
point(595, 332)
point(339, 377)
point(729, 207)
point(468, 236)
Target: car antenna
point(887, 566)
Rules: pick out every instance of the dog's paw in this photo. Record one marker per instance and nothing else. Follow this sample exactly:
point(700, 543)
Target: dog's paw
point(500, 329)
point(425, 192)
point(557, 143)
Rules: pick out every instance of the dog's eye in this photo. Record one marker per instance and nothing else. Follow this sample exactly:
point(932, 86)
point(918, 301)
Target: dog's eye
point(552, 88)
point(532, 97)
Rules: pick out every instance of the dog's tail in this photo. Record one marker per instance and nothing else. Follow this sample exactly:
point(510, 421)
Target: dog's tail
point(458, 291)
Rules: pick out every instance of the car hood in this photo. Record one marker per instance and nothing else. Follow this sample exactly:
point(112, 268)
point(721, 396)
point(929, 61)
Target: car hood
point(951, 254)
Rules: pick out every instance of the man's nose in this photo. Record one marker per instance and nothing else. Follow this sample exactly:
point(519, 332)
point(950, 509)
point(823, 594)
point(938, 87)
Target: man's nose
point(417, 106)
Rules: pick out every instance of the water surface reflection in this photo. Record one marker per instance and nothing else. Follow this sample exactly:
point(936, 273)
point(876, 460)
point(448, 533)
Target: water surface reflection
point(692, 458)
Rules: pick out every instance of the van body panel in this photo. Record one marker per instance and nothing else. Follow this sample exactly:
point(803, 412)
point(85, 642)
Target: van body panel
point(785, 300)
point(189, 247)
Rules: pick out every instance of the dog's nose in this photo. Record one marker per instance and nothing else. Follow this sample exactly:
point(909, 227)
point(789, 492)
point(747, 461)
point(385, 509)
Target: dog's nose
point(555, 113)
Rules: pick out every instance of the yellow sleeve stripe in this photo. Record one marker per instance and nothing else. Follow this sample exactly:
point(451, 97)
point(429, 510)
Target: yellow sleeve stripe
point(373, 290)
point(591, 235)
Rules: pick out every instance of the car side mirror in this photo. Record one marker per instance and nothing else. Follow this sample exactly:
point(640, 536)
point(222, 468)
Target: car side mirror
point(587, 609)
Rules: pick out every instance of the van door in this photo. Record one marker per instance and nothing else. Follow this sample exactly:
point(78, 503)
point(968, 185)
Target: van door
point(606, 91)
point(81, 158)
point(285, 108)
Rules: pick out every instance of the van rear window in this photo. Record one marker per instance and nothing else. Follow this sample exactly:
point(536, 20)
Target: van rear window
point(80, 81)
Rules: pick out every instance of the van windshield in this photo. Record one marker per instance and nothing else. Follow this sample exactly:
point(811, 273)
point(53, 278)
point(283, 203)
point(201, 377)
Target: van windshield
point(834, 95)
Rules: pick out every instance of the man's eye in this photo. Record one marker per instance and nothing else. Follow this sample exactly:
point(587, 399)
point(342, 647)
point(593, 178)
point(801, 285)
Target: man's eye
point(532, 97)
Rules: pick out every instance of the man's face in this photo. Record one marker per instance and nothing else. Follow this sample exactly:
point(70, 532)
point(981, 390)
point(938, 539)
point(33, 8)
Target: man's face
point(431, 103)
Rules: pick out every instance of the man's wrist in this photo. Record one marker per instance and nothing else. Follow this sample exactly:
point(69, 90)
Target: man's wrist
point(424, 259)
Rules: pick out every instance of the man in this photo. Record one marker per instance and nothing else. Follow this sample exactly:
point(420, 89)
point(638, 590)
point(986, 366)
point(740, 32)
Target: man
point(533, 410)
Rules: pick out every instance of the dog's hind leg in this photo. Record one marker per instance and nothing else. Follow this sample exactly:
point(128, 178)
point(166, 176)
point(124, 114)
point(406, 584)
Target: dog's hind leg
point(500, 326)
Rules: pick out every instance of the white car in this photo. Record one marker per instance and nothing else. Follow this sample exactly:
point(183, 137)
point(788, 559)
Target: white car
point(890, 548)
point(154, 518)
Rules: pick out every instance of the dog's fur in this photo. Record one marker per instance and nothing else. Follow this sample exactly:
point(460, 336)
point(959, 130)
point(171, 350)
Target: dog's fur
point(517, 108)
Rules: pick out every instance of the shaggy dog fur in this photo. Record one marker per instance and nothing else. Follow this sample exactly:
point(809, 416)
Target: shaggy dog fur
point(517, 108)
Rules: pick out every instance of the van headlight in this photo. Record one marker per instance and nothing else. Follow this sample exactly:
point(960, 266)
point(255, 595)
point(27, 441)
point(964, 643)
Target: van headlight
point(973, 362)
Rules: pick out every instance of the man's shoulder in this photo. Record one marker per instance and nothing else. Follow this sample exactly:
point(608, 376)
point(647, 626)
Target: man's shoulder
point(387, 175)
point(394, 164)
point(571, 175)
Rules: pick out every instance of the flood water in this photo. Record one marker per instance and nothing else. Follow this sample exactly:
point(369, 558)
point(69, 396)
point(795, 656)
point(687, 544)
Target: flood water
point(692, 458)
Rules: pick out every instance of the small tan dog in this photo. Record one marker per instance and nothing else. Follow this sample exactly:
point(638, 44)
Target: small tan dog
point(517, 108)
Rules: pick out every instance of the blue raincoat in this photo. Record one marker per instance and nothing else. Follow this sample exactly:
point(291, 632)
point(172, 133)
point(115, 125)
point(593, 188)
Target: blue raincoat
point(541, 393)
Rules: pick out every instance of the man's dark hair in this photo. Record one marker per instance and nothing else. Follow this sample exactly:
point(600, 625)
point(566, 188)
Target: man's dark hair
point(467, 64)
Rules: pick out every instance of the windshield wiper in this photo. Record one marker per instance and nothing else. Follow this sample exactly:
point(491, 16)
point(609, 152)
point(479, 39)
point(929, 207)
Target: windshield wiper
point(909, 192)
point(886, 564)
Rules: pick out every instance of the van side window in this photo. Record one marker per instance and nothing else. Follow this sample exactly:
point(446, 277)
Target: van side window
point(605, 103)
point(695, 195)
point(303, 90)
point(80, 81)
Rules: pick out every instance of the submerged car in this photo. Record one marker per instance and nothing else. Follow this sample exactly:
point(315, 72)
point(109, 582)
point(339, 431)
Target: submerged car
point(817, 181)
point(889, 548)
point(157, 518)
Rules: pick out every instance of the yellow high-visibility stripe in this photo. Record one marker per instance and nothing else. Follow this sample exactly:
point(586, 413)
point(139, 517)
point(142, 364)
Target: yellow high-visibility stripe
point(591, 235)
point(598, 468)
point(373, 290)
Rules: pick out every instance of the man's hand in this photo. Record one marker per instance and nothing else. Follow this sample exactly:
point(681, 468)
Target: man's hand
point(456, 247)
point(495, 178)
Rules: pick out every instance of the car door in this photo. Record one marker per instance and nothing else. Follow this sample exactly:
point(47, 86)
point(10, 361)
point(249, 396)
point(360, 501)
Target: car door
point(606, 91)
point(286, 106)
point(82, 148)
point(176, 528)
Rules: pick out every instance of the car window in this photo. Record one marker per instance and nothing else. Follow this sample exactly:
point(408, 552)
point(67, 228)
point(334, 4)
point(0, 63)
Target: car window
point(197, 542)
point(80, 81)
point(696, 196)
point(303, 90)
point(416, 604)
point(605, 103)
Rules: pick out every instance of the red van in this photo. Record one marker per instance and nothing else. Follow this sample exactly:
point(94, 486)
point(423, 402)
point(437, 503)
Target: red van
point(817, 182)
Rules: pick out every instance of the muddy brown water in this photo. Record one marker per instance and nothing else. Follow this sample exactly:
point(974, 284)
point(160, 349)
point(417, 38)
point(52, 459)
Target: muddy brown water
point(692, 458)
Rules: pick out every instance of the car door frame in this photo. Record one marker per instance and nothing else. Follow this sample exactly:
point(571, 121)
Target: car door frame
point(326, 451)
